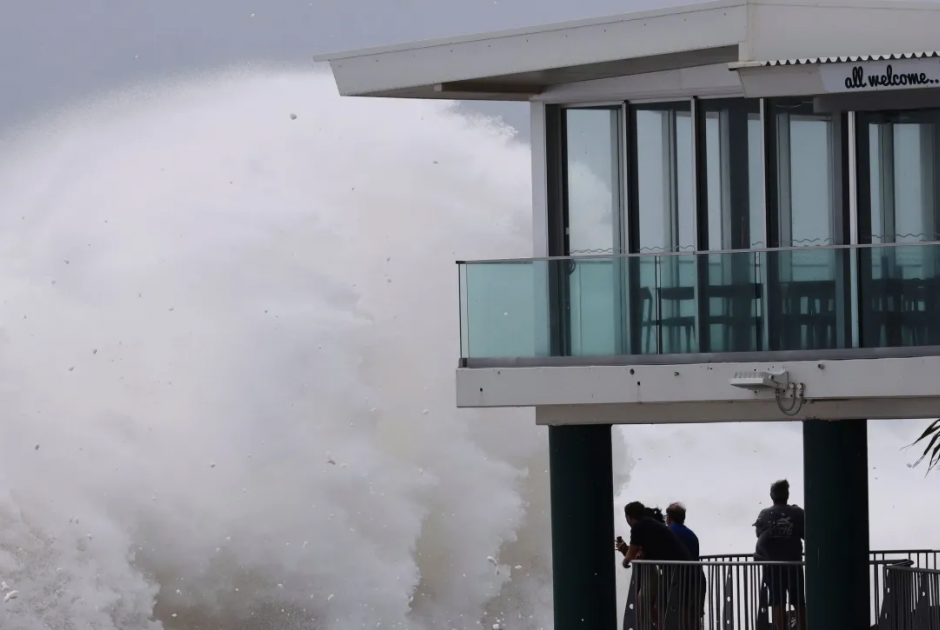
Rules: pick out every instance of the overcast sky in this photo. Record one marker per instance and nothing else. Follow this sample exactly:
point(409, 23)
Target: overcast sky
point(52, 51)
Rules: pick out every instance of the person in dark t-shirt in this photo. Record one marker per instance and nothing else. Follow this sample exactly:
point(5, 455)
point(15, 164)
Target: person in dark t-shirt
point(780, 532)
point(650, 539)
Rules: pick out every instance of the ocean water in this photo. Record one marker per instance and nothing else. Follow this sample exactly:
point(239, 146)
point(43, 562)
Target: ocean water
point(227, 344)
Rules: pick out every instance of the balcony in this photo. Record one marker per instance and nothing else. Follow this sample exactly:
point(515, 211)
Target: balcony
point(863, 298)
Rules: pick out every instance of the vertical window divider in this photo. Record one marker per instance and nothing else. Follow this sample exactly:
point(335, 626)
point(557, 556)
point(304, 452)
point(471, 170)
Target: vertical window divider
point(862, 232)
point(622, 292)
point(843, 148)
point(558, 242)
point(700, 214)
point(760, 273)
point(635, 306)
point(928, 186)
point(772, 298)
point(853, 227)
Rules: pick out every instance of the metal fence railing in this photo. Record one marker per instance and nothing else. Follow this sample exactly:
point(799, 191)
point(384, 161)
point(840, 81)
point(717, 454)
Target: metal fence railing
point(911, 600)
point(712, 595)
point(735, 592)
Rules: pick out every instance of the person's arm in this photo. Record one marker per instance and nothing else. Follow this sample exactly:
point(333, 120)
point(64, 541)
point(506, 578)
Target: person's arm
point(760, 525)
point(635, 548)
point(801, 523)
point(632, 552)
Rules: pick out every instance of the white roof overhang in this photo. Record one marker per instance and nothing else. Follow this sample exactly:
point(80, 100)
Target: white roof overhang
point(515, 65)
point(815, 38)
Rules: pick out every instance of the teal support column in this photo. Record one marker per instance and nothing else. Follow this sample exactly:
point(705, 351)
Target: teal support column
point(582, 492)
point(835, 477)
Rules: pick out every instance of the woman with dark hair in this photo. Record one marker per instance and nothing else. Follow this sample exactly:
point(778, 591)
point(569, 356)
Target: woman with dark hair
point(656, 514)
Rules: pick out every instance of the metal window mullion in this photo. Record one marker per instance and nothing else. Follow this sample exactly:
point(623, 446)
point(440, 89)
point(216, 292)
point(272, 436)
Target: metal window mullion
point(768, 147)
point(621, 289)
point(693, 126)
point(632, 209)
point(886, 176)
point(724, 153)
point(888, 197)
point(853, 229)
point(700, 224)
point(784, 216)
point(558, 242)
point(928, 185)
point(838, 154)
point(670, 193)
point(764, 237)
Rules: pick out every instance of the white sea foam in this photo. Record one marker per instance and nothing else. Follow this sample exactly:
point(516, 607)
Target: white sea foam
point(231, 332)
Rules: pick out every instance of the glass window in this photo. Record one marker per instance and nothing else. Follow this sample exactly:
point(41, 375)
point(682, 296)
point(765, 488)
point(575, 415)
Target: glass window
point(663, 296)
point(734, 173)
point(898, 203)
point(808, 202)
point(594, 176)
point(666, 221)
point(734, 214)
point(902, 169)
point(807, 308)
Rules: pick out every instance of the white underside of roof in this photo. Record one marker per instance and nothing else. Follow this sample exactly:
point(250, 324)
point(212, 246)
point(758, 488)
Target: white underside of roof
point(521, 64)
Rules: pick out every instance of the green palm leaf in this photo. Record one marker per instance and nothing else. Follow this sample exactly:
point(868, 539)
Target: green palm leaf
point(931, 436)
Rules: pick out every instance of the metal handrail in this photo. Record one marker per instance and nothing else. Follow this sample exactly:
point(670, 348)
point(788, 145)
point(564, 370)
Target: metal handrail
point(915, 570)
point(873, 552)
point(739, 578)
point(709, 563)
point(805, 248)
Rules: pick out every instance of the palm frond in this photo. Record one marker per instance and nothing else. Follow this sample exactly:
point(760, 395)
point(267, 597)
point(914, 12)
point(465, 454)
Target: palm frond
point(931, 436)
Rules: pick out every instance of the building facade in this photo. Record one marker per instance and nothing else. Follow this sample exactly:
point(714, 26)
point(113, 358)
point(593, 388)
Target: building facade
point(736, 218)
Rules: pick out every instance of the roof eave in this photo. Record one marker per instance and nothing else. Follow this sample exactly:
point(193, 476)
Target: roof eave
point(525, 31)
point(456, 92)
point(492, 60)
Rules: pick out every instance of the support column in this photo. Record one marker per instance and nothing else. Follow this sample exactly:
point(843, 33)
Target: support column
point(582, 493)
point(835, 462)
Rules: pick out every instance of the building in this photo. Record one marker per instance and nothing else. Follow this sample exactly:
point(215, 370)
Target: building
point(736, 218)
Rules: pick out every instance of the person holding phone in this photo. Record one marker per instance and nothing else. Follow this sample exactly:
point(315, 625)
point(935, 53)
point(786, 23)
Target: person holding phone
point(650, 539)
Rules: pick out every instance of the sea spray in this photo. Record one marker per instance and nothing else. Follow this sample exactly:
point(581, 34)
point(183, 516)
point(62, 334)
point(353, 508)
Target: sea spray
point(234, 335)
